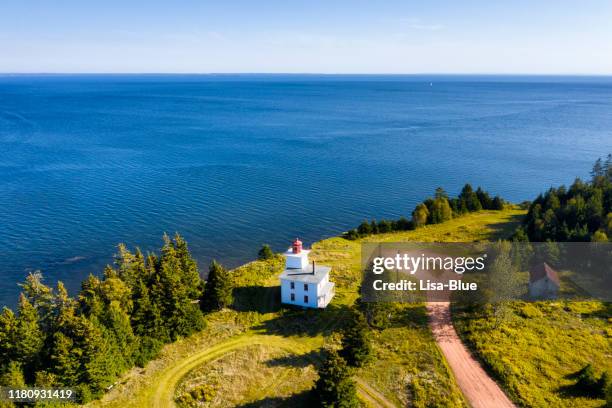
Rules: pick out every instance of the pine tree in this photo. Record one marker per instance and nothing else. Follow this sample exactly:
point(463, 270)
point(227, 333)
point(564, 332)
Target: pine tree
point(41, 297)
point(497, 204)
point(8, 330)
point(420, 215)
point(356, 348)
point(335, 388)
point(598, 170)
point(485, 200)
point(468, 200)
point(99, 362)
point(89, 301)
point(175, 289)
point(65, 360)
point(12, 376)
point(440, 211)
point(117, 322)
point(218, 288)
point(29, 338)
point(365, 228)
point(265, 253)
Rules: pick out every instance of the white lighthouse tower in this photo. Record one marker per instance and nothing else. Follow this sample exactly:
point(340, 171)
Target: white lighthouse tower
point(302, 283)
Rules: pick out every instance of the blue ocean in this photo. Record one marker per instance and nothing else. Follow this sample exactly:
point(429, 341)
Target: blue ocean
point(235, 161)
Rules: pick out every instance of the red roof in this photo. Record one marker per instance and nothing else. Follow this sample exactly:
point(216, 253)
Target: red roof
point(541, 271)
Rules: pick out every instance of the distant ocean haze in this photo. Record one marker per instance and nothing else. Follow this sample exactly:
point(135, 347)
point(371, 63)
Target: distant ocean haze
point(232, 162)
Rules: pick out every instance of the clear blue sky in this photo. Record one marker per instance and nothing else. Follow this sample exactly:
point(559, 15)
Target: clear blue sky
point(331, 36)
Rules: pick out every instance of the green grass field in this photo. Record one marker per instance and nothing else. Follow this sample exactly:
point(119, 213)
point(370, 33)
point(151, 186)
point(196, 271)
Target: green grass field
point(535, 352)
point(270, 352)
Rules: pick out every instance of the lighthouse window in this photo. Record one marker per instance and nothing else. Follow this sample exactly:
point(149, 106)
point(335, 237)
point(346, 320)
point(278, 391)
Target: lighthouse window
point(306, 299)
point(305, 287)
point(293, 297)
point(292, 285)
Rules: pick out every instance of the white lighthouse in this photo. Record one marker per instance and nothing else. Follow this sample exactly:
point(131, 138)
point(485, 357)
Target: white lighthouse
point(303, 283)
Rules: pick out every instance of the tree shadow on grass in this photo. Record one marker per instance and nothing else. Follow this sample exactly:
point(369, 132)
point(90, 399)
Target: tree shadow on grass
point(589, 387)
point(297, 361)
point(302, 399)
point(504, 230)
point(293, 321)
point(262, 299)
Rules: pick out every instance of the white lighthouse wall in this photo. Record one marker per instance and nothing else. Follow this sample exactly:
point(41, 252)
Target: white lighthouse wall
point(297, 261)
point(299, 292)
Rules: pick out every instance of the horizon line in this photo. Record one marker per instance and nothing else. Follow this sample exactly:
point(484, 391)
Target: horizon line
point(316, 73)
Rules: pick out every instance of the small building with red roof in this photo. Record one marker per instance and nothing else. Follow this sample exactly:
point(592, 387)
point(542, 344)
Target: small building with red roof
point(543, 282)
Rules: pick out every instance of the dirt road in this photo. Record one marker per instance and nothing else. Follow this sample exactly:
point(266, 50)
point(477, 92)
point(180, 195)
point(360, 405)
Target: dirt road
point(477, 387)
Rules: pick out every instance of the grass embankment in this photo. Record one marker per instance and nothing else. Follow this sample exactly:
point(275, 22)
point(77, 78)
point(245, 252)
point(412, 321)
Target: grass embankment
point(536, 352)
point(269, 352)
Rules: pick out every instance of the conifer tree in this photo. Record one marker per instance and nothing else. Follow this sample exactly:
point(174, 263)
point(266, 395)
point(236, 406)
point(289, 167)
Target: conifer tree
point(356, 348)
point(218, 288)
point(8, 330)
point(12, 376)
point(41, 297)
point(365, 228)
point(497, 204)
point(265, 253)
point(28, 337)
point(117, 323)
point(335, 388)
point(440, 211)
point(420, 215)
point(468, 200)
point(485, 200)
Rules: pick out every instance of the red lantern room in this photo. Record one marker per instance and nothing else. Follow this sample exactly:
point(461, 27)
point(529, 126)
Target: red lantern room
point(297, 246)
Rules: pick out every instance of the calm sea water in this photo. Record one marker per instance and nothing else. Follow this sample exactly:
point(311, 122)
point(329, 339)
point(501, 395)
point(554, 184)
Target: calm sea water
point(232, 162)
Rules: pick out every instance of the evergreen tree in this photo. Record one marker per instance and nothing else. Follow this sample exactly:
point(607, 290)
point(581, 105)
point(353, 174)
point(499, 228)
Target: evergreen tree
point(218, 288)
point(598, 170)
point(420, 215)
point(13, 376)
point(100, 364)
point(41, 297)
point(365, 228)
point(175, 287)
point(146, 317)
point(468, 200)
point(65, 360)
point(29, 337)
point(374, 227)
point(485, 200)
point(440, 211)
point(8, 331)
point(117, 324)
point(335, 388)
point(356, 348)
point(265, 253)
point(440, 193)
point(385, 226)
point(89, 301)
point(497, 204)
point(403, 224)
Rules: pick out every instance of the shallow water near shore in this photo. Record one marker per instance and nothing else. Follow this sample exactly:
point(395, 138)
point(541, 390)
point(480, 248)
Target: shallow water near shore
point(232, 162)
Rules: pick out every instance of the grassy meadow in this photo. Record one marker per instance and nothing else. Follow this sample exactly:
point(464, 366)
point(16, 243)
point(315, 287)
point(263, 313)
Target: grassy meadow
point(536, 352)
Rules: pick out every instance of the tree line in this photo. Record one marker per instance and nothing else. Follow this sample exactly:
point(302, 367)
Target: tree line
point(580, 213)
point(116, 321)
point(434, 210)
